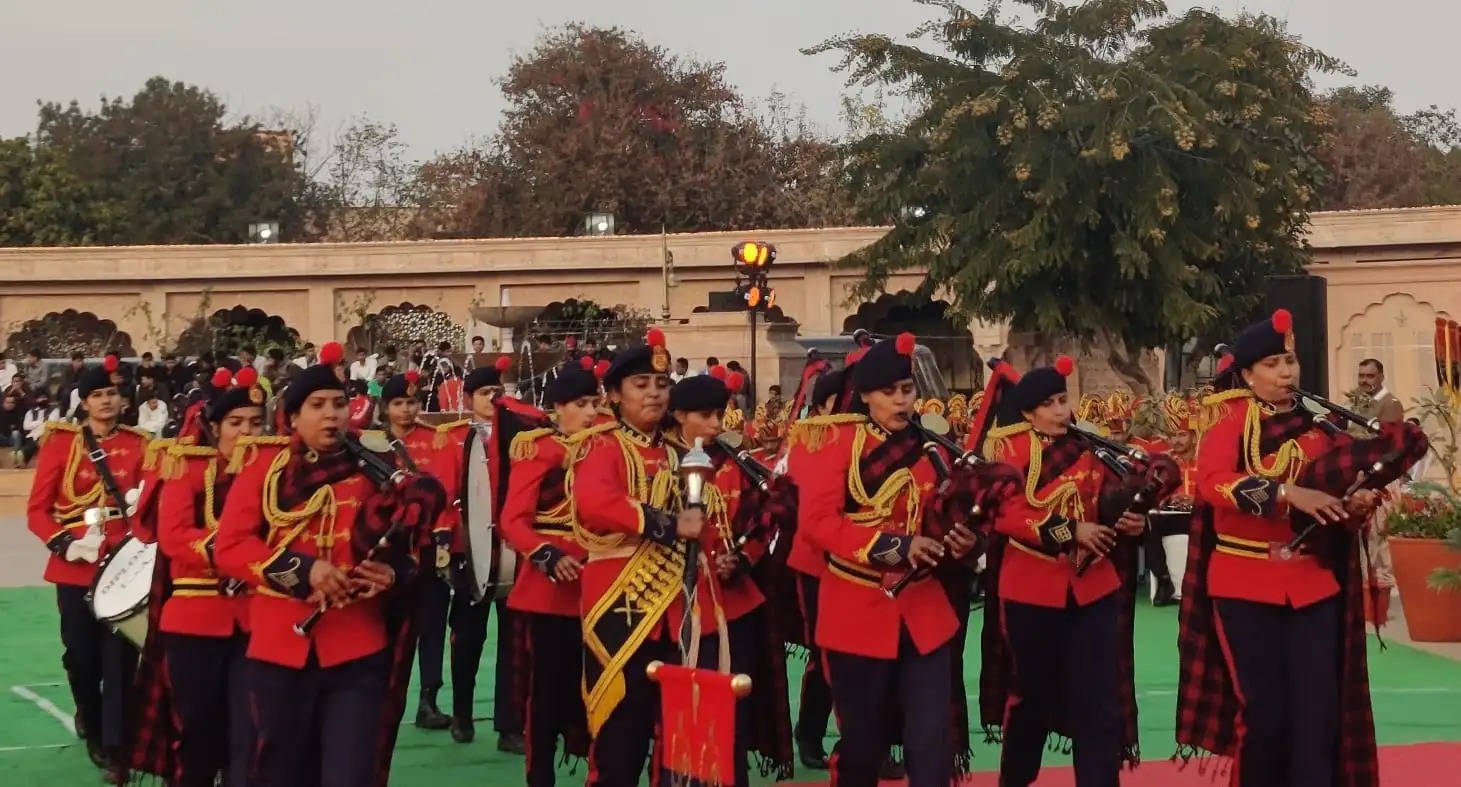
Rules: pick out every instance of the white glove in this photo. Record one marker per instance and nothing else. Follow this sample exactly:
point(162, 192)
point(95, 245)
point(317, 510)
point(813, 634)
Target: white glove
point(86, 549)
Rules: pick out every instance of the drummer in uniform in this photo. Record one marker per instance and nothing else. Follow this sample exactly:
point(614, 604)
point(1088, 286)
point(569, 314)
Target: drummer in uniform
point(300, 529)
point(625, 497)
point(204, 623)
point(1168, 532)
point(413, 445)
point(79, 468)
point(537, 521)
point(455, 604)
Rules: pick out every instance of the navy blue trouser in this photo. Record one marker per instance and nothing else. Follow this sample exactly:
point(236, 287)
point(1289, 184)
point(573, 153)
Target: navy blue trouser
point(316, 726)
point(210, 707)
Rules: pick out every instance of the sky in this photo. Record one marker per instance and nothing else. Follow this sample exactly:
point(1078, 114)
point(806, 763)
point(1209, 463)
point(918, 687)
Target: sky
point(429, 66)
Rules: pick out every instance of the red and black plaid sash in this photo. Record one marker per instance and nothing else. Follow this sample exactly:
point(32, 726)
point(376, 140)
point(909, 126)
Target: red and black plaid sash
point(552, 491)
point(1058, 456)
point(301, 477)
point(900, 450)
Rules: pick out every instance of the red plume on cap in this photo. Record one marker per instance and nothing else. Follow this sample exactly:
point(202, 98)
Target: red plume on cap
point(600, 369)
point(413, 376)
point(1065, 365)
point(734, 381)
point(332, 353)
point(1283, 321)
point(246, 377)
point(503, 363)
point(655, 337)
point(586, 363)
point(110, 363)
point(718, 372)
point(222, 378)
point(905, 343)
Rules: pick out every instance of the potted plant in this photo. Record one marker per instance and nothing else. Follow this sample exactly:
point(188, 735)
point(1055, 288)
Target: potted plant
point(1425, 534)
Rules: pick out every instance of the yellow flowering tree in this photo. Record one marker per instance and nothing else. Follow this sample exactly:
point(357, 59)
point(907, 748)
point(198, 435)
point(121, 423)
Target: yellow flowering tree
point(1104, 171)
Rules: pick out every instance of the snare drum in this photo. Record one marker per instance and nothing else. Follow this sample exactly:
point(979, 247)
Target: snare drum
point(119, 594)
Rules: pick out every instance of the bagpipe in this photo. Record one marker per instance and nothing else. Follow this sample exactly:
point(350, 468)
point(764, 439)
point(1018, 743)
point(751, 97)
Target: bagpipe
point(388, 478)
point(967, 487)
point(1356, 464)
point(1159, 476)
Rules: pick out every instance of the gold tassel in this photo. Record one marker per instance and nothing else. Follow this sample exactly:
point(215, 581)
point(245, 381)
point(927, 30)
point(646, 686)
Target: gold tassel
point(443, 432)
point(813, 432)
point(525, 444)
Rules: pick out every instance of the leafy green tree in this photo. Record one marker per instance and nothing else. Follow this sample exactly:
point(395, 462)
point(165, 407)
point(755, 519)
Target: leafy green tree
point(1107, 172)
point(1379, 158)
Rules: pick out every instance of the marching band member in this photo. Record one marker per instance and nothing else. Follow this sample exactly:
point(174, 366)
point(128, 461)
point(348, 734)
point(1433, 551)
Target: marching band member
point(628, 516)
point(807, 564)
point(863, 499)
point(82, 467)
point(204, 623)
point(1272, 640)
point(732, 500)
point(414, 447)
point(1056, 631)
point(455, 604)
point(1165, 532)
point(537, 521)
point(302, 528)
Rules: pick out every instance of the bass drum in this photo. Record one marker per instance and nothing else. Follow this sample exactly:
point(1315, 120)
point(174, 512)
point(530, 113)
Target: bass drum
point(119, 594)
point(491, 564)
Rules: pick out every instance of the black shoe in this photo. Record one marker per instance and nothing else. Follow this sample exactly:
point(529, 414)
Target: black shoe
point(97, 754)
point(462, 730)
point(512, 743)
point(1166, 594)
point(813, 757)
point(428, 716)
point(892, 770)
point(114, 774)
point(80, 726)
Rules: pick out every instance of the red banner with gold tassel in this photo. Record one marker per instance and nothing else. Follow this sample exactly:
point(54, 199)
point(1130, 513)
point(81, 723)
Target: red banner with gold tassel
point(698, 718)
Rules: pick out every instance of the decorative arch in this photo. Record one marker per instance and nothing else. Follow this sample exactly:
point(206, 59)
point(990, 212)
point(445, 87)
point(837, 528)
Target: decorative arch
point(1399, 331)
point(404, 323)
point(226, 330)
point(583, 318)
point(934, 325)
point(59, 334)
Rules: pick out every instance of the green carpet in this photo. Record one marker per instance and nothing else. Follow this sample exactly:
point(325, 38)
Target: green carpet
point(1417, 698)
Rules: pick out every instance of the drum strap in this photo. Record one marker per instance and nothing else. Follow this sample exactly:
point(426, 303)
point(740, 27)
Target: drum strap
point(98, 457)
point(406, 460)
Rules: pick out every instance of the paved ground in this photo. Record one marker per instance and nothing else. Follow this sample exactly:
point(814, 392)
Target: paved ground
point(22, 557)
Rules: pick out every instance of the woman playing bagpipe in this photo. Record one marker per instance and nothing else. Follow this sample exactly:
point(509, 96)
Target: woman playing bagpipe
point(1057, 633)
point(869, 493)
point(628, 514)
point(1272, 628)
point(536, 517)
point(194, 718)
point(319, 541)
point(740, 516)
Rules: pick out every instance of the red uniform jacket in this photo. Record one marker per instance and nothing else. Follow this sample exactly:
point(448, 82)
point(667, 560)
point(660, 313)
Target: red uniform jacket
point(804, 557)
point(420, 443)
point(607, 502)
point(362, 407)
point(739, 594)
point(1248, 517)
point(450, 443)
point(537, 521)
point(862, 540)
point(254, 544)
point(1039, 566)
point(66, 484)
point(191, 500)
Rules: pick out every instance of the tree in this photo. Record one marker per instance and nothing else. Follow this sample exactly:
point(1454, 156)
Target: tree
point(1109, 173)
point(598, 119)
point(1381, 159)
point(366, 187)
point(162, 167)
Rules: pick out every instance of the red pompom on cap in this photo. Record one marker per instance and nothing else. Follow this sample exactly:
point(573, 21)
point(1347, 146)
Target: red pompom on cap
point(222, 378)
point(246, 377)
point(413, 376)
point(332, 353)
point(655, 337)
point(718, 372)
point(110, 363)
point(600, 369)
point(586, 363)
point(734, 381)
point(503, 363)
point(571, 342)
point(1283, 321)
point(905, 343)
point(1065, 365)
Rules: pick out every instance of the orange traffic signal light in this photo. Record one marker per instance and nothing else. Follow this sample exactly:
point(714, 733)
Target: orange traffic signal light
point(753, 254)
point(753, 297)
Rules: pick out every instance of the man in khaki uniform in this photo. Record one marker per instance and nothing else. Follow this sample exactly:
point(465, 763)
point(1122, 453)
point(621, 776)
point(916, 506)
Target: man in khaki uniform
point(1386, 407)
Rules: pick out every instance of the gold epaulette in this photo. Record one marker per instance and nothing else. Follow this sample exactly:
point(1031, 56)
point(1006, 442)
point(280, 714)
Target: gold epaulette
point(813, 432)
point(442, 430)
point(154, 450)
point(997, 444)
point(1215, 406)
point(142, 433)
point(58, 426)
point(525, 444)
point(584, 434)
point(177, 455)
point(246, 449)
point(376, 434)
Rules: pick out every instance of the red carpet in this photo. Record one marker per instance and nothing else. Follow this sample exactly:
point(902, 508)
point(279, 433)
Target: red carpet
point(1414, 765)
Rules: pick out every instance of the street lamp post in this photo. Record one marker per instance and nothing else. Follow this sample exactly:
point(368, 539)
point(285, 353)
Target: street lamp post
point(752, 259)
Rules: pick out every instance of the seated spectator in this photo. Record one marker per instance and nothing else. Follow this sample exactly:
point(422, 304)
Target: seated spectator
point(152, 414)
point(375, 386)
point(12, 426)
point(34, 424)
